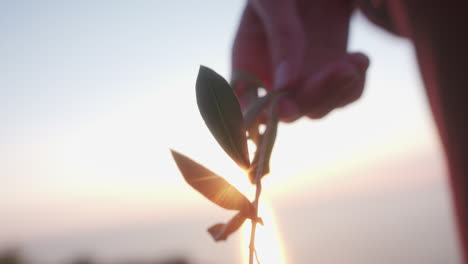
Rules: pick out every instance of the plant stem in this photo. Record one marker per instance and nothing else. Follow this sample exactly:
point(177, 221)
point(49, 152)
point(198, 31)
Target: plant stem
point(259, 175)
point(258, 190)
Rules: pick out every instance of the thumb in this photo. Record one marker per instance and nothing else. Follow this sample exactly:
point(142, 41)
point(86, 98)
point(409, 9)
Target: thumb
point(286, 39)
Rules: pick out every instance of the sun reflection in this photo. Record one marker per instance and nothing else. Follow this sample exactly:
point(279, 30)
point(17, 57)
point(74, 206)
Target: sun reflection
point(267, 238)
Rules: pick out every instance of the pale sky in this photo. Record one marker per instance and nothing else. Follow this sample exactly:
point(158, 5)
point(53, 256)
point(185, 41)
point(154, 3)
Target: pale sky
point(93, 94)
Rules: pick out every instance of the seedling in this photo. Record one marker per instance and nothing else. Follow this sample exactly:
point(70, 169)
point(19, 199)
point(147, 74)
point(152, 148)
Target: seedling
point(222, 114)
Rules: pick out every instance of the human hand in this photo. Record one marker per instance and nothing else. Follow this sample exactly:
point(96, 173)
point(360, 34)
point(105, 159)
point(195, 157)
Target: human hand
point(300, 46)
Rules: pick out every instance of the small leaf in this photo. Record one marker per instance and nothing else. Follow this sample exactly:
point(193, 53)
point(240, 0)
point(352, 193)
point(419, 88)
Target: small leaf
point(266, 143)
point(222, 231)
point(256, 108)
point(212, 186)
point(253, 134)
point(250, 84)
point(260, 221)
point(222, 114)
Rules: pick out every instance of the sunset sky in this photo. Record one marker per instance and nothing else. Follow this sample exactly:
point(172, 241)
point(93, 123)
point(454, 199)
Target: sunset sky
point(94, 93)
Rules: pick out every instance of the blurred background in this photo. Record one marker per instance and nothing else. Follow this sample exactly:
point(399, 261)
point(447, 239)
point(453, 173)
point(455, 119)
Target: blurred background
point(94, 93)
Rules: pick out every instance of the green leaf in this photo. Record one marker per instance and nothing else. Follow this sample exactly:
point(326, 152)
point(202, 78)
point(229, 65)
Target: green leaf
point(212, 186)
point(222, 114)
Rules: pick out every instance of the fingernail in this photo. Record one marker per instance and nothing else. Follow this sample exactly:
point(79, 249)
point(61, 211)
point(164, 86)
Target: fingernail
point(281, 76)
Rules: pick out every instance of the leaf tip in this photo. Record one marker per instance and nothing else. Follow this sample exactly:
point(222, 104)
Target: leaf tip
point(260, 221)
point(175, 154)
point(203, 70)
point(216, 232)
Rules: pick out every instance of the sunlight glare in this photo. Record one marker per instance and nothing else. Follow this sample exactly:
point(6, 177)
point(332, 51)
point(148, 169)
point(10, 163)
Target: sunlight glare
point(267, 238)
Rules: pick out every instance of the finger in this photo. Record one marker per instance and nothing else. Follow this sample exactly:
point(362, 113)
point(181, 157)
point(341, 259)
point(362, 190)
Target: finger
point(250, 53)
point(288, 110)
point(355, 91)
point(327, 26)
point(250, 49)
point(360, 60)
point(341, 97)
point(319, 113)
point(318, 89)
point(337, 85)
point(286, 39)
point(352, 93)
point(240, 89)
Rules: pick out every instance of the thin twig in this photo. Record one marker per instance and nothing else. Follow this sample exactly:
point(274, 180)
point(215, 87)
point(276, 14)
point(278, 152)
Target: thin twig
point(258, 191)
point(258, 180)
point(256, 256)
